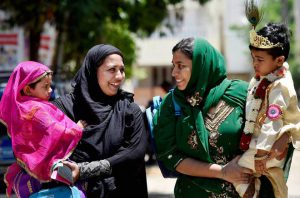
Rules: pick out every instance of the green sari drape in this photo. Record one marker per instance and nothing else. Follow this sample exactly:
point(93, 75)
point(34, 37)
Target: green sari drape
point(188, 136)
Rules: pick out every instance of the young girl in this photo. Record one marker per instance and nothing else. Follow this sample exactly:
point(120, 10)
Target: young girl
point(41, 134)
point(271, 108)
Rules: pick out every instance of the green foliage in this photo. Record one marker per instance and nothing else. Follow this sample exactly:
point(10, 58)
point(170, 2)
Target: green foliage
point(202, 2)
point(82, 24)
point(274, 14)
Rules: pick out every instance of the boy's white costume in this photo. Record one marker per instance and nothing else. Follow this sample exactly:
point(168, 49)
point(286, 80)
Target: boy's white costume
point(268, 119)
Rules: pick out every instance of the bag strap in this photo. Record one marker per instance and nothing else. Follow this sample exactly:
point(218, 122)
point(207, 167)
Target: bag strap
point(156, 101)
point(150, 112)
point(177, 108)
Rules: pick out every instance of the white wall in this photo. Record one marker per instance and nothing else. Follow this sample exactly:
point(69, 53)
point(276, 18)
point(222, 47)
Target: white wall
point(236, 44)
point(197, 21)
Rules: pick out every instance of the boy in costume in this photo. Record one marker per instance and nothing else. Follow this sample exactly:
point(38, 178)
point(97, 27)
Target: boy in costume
point(272, 105)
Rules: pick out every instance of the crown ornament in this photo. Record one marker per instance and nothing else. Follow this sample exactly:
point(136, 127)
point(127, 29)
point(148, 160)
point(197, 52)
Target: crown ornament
point(261, 42)
point(254, 16)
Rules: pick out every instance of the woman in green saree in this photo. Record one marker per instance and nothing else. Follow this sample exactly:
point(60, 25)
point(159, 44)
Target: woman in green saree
point(202, 144)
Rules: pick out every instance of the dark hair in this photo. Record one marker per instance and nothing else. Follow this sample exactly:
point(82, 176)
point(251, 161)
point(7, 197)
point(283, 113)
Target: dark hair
point(276, 33)
point(166, 85)
point(48, 74)
point(186, 46)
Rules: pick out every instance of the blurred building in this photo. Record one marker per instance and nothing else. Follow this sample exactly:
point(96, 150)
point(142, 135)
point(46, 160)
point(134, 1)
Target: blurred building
point(14, 46)
point(11, 48)
point(215, 21)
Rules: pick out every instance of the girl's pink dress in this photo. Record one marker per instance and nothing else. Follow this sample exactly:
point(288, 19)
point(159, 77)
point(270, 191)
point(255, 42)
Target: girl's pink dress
point(41, 134)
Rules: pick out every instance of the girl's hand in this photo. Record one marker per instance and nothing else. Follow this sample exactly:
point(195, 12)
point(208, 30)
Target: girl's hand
point(82, 124)
point(234, 173)
point(74, 168)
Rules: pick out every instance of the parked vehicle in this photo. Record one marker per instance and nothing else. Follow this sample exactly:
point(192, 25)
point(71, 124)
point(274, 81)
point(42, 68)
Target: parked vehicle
point(6, 152)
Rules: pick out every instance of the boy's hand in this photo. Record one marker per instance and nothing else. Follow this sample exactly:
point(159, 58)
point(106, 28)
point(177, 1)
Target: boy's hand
point(280, 147)
point(260, 161)
point(260, 166)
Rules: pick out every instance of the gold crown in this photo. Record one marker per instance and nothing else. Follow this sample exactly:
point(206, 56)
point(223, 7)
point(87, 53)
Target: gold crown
point(262, 42)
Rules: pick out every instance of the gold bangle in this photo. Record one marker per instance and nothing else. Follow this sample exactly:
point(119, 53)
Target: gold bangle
point(262, 157)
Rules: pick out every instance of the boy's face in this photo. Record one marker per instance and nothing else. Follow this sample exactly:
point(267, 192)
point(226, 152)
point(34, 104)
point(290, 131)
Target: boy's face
point(263, 63)
point(41, 90)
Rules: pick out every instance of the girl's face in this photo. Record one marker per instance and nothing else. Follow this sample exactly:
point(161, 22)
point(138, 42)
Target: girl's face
point(263, 63)
point(111, 74)
point(182, 69)
point(41, 90)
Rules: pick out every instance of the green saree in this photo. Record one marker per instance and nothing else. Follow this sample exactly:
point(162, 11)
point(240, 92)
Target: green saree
point(199, 133)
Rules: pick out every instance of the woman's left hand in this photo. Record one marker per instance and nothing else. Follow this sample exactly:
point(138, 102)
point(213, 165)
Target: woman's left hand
point(75, 169)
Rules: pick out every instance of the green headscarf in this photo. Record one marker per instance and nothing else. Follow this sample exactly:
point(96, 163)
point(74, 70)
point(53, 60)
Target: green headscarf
point(209, 80)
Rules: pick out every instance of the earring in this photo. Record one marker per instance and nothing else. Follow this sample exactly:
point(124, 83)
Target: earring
point(27, 91)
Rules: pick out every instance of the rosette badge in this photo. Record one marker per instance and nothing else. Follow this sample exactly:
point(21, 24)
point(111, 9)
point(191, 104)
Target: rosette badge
point(274, 112)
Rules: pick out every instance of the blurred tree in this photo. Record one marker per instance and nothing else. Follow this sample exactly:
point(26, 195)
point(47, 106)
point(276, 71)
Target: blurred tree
point(83, 23)
point(280, 11)
point(297, 30)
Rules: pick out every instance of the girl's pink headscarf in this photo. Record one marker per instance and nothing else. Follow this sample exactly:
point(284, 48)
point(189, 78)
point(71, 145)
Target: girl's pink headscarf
point(41, 134)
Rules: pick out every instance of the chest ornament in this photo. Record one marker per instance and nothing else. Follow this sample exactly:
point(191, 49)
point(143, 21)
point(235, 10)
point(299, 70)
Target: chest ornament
point(194, 100)
point(192, 140)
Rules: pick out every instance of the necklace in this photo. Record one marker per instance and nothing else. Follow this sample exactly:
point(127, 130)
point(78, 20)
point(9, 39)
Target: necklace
point(256, 94)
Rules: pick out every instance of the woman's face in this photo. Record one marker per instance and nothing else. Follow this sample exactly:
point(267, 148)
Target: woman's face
point(111, 74)
point(182, 69)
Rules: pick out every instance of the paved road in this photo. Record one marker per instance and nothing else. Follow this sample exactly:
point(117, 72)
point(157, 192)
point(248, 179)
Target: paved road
point(158, 187)
point(294, 176)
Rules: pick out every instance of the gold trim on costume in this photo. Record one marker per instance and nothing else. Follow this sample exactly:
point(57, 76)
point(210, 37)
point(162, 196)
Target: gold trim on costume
point(212, 122)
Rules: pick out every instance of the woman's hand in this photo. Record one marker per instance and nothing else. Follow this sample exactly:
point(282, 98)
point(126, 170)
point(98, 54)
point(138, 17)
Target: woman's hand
point(74, 168)
point(280, 147)
point(234, 173)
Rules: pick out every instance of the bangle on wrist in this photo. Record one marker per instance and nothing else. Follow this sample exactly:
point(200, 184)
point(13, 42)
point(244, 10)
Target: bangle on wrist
point(262, 157)
point(223, 172)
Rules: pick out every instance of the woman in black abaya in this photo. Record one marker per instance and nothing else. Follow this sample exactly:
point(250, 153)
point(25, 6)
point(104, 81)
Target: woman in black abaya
point(110, 156)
